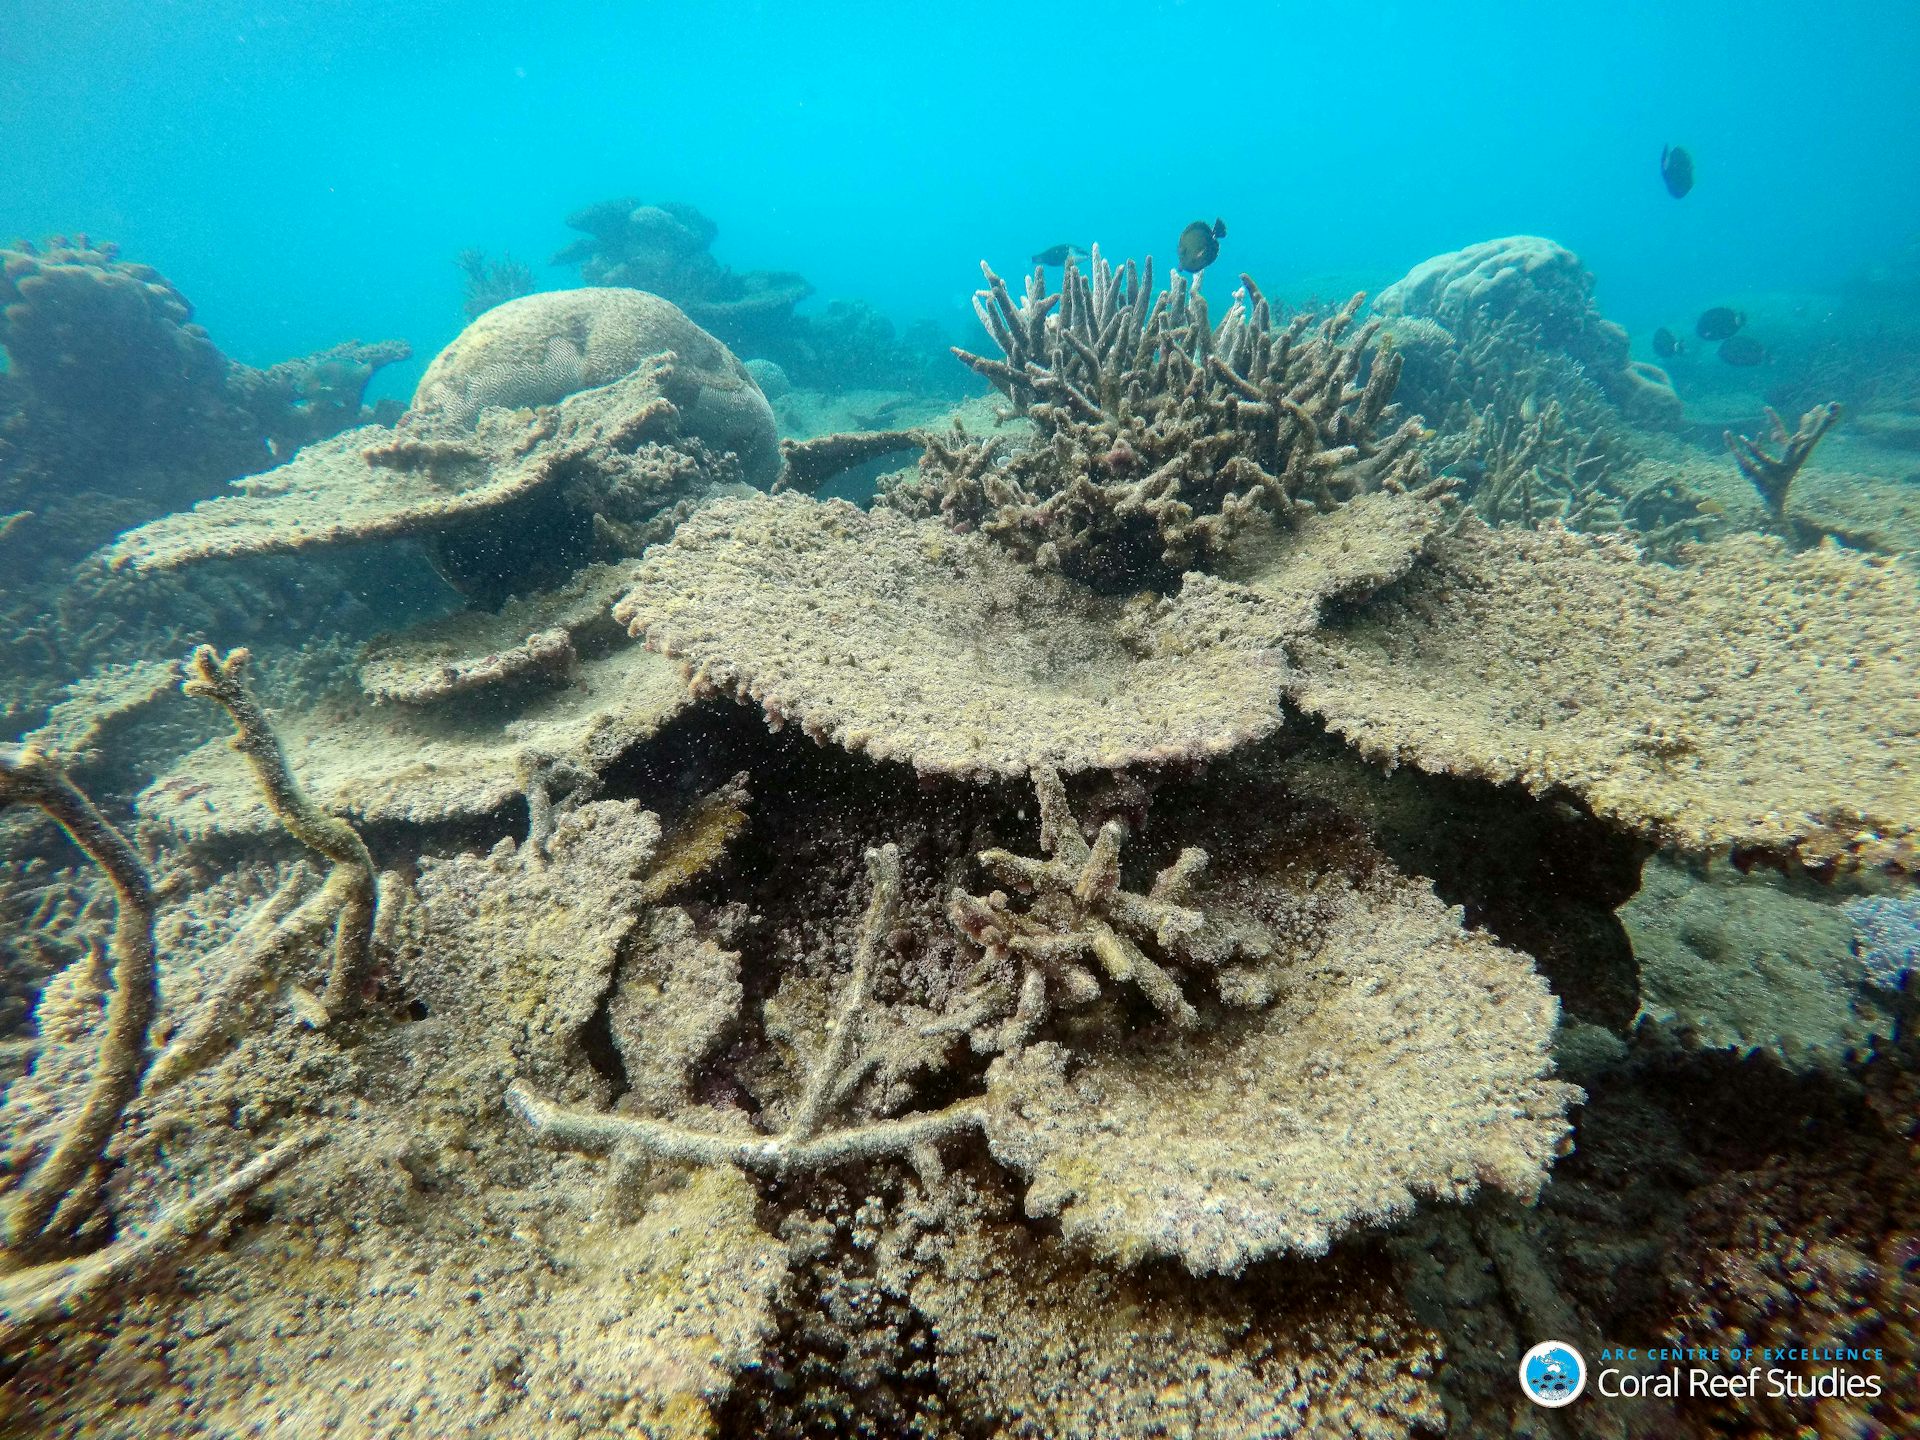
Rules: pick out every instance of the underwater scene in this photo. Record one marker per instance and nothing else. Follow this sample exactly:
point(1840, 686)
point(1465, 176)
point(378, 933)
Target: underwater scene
point(959, 722)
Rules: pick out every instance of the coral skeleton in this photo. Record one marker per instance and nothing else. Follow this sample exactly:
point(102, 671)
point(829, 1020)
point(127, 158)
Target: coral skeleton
point(59, 1194)
point(351, 892)
point(1081, 917)
point(1773, 476)
point(1160, 433)
point(806, 1143)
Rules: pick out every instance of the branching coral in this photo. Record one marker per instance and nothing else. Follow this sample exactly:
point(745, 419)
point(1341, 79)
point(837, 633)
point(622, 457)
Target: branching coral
point(352, 890)
point(806, 1143)
point(1160, 434)
point(1773, 476)
point(60, 1192)
point(1034, 959)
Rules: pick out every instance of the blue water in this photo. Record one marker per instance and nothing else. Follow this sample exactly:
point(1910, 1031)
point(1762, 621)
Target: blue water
point(305, 170)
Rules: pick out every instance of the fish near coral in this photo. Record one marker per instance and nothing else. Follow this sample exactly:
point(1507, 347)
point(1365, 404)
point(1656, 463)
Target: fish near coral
point(1057, 255)
point(1666, 344)
point(1676, 168)
point(1200, 246)
point(1719, 323)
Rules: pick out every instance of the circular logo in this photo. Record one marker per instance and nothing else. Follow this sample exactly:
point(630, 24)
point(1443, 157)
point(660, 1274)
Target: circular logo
point(1553, 1374)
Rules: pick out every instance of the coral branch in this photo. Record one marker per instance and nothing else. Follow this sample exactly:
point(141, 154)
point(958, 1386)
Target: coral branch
point(47, 1294)
point(46, 1211)
point(351, 887)
point(809, 464)
point(1774, 477)
point(802, 1146)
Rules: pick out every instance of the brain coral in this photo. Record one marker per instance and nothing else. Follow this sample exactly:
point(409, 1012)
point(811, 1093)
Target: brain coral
point(539, 349)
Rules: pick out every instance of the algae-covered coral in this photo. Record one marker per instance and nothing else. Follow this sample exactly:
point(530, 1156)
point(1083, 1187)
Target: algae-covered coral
point(1050, 1020)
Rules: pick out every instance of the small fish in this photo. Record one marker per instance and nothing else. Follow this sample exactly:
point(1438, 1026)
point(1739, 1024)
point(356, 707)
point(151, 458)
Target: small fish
point(1666, 344)
point(1743, 350)
point(1059, 255)
point(1676, 168)
point(1200, 246)
point(1719, 322)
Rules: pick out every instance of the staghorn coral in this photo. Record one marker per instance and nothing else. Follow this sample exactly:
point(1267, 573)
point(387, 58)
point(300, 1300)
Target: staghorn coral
point(351, 892)
point(52, 1202)
point(1080, 914)
point(1773, 476)
point(1160, 434)
point(903, 640)
point(1750, 700)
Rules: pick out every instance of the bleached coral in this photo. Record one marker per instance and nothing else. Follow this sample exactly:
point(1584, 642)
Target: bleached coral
point(1749, 699)
point(1161, 434)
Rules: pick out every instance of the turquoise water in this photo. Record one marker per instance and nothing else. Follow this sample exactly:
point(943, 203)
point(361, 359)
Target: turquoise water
point(305, 172)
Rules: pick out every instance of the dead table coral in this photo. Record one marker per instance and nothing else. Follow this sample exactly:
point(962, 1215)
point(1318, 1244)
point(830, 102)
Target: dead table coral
point(509, 498)
point(1159, 432)
point(1401, 1056)
point(421, 763)
point(904, 640)
point(1750, 699)
point(1081, 915)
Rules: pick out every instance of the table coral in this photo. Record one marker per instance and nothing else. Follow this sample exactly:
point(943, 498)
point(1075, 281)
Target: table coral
point(1401, 1056)
point(1749, 699)
point(905, 641)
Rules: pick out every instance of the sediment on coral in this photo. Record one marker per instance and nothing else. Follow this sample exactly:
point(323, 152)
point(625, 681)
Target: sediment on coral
point(806, 465)
point(1751, 700)
point(905, 641)
point(1161, 434)
point(351, 892)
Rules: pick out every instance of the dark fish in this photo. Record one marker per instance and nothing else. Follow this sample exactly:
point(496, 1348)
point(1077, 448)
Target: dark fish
point(1059, 255)
point(1676, 168)
point(1719, 322)
point(1199, 246)
point(1666, 344)
point(1743, 350)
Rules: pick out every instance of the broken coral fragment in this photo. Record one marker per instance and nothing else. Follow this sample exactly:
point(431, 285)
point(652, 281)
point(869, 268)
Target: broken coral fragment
point(1750, 699)
point(904, 640)
point(424, 764)
point(1403, 1056)
point(1081, 919)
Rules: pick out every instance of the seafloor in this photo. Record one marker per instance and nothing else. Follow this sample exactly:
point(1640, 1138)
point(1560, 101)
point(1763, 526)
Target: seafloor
point(1224, 888)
